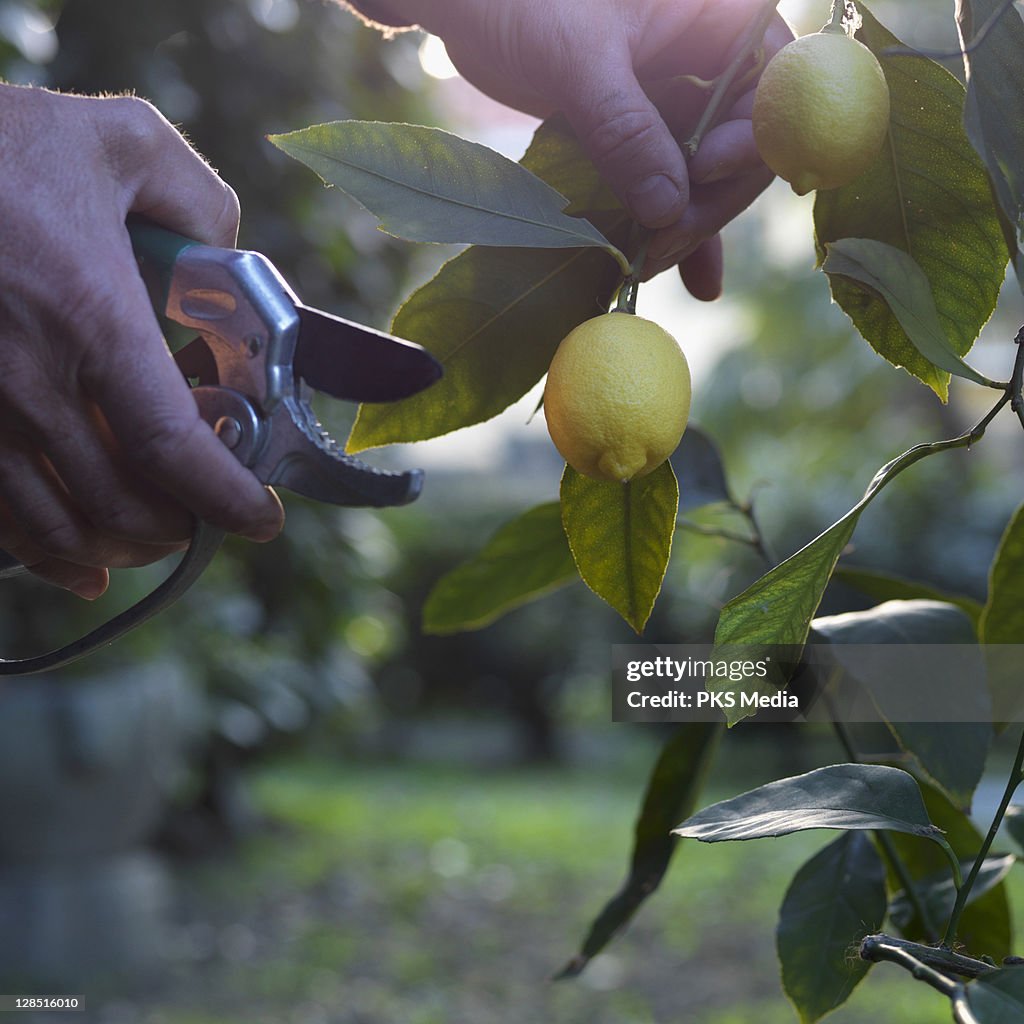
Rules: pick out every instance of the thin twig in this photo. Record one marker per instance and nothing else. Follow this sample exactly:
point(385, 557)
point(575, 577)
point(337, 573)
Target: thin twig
point(888, 947)
point(726, 79)
point(761, 545)
point(716, 531)
point(965, 890)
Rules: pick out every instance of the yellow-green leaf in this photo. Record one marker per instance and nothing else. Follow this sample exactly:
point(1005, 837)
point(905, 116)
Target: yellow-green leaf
point(526, 558)
point(927, 194)
point(621, 537)
point(428, 185)
point(494, 316)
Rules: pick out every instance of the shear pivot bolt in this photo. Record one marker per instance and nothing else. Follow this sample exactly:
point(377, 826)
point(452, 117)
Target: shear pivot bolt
point(229, 430)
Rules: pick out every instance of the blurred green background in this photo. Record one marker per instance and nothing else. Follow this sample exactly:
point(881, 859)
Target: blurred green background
point(358, 823)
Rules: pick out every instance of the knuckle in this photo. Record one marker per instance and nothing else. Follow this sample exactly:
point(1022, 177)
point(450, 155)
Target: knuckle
point(157, 447)
point(113, 515)
point(620, 133)
point(222, 229)
point(57, 535)
point(137, 119)
point(132, 131)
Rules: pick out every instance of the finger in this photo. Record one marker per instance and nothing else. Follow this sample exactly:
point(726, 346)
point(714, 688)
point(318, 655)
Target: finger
point(703, 269)
point(162, 176)
point(155, 419)
point(86, 470)
point(86, 582)
point(727, 151)
point(714, 38)
point(626, 137)
point(44, 512)
point(711, 208)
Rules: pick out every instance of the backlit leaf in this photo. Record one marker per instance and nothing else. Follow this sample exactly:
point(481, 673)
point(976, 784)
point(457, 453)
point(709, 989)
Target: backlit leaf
point(526, 558)
point(1002, 621)
point(928, 195)
point(776, 610)
point(427, 185)
point(494, 316)
point(901, 282)
point(994, 110)
point(621, 536)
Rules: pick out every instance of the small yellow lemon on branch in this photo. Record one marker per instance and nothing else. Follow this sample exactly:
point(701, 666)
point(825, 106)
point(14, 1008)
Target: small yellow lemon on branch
point(617, 397)
point(821, 111)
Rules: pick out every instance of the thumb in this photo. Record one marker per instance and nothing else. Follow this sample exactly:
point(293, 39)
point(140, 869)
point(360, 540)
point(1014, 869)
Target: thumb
point(625, 136)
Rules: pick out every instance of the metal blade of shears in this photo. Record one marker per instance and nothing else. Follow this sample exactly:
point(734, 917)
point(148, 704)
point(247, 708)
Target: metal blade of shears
point(356, 363)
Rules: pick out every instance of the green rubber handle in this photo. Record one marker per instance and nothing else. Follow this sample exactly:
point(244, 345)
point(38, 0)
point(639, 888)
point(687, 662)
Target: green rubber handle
point(156, 250)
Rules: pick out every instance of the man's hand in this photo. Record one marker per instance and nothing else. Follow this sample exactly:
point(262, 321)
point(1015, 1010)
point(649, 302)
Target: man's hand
point(613, 67)
point(104, 460)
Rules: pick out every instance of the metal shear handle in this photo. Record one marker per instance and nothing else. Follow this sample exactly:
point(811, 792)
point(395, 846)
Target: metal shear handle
point(251, 327)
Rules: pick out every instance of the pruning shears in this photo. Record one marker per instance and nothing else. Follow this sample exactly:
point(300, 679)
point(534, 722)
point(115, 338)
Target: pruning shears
point(259, 355)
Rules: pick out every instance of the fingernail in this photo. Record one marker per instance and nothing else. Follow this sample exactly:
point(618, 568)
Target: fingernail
point(88, 588)
point(656, 201)
point(263, 534)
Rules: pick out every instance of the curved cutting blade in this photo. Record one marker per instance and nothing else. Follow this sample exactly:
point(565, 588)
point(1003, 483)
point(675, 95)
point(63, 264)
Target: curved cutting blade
point(358, 364)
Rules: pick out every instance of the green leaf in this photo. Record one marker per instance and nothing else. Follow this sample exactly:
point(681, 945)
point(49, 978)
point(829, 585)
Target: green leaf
point(885, 587)
point(672, 790)
point(495, 316)
point(985, 927)
point(777, 609)
point(428, 185)
point(927, 194)
point(698, 466)
point(952, 754)
point(938, 893)
point(1002, 620)
point(525, 559)
point(556, 156)
point(841, 796)
point(998, 997)
point(834, 900)
point(900, 281)
point(621, 537)
point(994, 109)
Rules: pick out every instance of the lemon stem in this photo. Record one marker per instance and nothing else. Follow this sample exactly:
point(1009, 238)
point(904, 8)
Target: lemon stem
point(631, 285)
point(842, 11)
point(725, 81)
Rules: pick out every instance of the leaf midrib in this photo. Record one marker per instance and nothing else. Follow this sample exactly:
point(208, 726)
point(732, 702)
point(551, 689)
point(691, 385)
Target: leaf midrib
point(593, 240)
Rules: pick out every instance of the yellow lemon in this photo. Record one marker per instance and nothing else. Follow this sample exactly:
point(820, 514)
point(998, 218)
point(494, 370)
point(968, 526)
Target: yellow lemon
point(821, 111)
point(617, 397)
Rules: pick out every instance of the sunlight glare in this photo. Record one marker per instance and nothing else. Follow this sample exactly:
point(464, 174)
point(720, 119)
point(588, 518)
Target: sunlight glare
point(434, 59)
